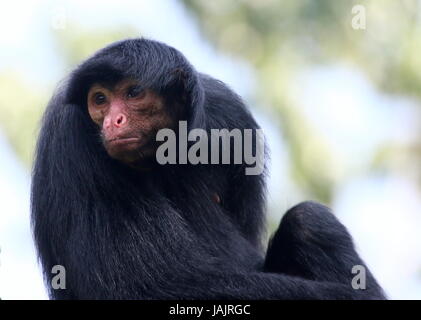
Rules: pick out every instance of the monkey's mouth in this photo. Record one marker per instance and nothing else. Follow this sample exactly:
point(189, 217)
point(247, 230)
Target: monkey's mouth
point(124, 140)
point(125, 149)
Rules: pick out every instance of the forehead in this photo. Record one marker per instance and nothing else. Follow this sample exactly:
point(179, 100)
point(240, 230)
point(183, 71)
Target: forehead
point(116, 86)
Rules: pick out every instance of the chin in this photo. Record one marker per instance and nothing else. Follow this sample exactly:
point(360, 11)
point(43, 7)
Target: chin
point(133, 157)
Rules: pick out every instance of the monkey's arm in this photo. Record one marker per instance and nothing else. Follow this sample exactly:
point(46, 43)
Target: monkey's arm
point(311, 243)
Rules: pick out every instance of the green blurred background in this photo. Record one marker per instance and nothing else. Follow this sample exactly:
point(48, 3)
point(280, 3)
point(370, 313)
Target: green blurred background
point(340, 107)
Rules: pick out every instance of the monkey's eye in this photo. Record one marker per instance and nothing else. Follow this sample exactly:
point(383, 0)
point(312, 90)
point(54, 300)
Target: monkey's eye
point(100, 98)
point(134, 91)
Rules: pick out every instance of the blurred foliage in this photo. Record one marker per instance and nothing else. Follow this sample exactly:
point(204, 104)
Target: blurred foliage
point(280, 38)
point(20, 109)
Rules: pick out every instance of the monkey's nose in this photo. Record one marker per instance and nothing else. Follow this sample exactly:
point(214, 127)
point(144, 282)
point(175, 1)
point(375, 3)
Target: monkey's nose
point(119, 120)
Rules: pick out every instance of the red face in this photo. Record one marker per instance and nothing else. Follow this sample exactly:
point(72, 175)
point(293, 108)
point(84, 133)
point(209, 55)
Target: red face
point(129, 118)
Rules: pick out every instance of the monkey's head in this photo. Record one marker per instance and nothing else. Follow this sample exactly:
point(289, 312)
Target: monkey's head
point(132, 89)
point(128, 117)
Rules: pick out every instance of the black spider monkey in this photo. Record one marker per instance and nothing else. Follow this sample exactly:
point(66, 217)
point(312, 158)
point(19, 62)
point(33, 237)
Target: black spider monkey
point(126, 228)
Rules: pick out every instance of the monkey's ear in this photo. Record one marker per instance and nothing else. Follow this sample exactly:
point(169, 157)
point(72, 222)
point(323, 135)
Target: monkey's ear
point(186, 89)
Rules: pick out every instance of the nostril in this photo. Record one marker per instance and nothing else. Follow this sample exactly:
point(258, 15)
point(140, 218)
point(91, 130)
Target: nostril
point(120, 120)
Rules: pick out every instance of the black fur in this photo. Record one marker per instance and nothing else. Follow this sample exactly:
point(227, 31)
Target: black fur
point(157, 234)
